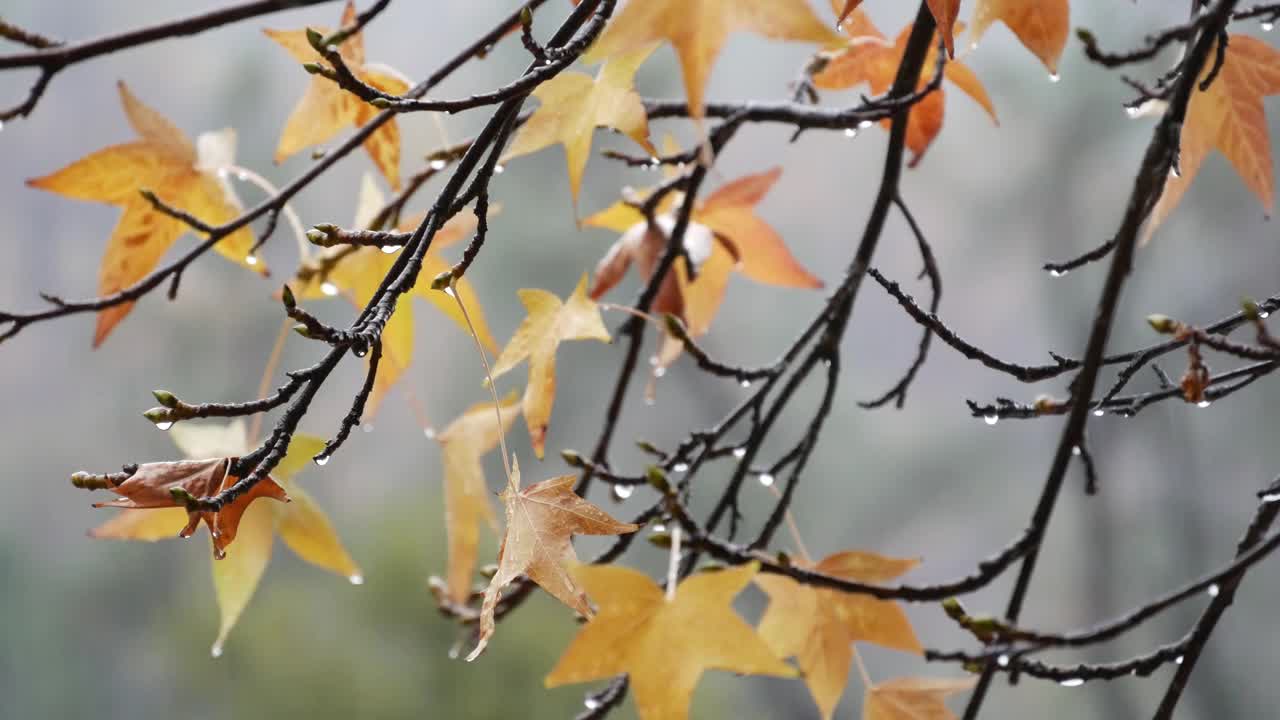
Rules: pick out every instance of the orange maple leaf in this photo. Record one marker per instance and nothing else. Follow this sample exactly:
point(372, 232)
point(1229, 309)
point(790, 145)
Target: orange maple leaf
point(818, 626)
point(869, 58)
point(697, 29)
point(466, 499)
point(326, 108)
point(664, 645)
point(180, 174)
point(725, 235)
point(1228, 116)
point(1041, 25)
point(912, 698)
point(301, 523)
point(359, 273)
point(549, 322)
point(575, 104)
point(541, 520)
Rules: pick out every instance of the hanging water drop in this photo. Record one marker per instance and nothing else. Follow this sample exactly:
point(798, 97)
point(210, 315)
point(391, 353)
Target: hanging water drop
point(660, 528)
point(1099, 412)
point(388, 249)
point(1132, 111)
point(1003, 661)
point(766, 479)
point(739, 452)
point(1177, 660)
point(359, 351)
point(654, 360)
point(1054, 77)
point(367, 427)
point(1267, 26)
point(215, 652)
point(863, 125)
point(438, 164)
point(1076, 451)
point(851, 132)
point(328, 288)
point(659, 371)
point(654, 162)
point(1271, 497)
point(1174, 172)
point(322, 459)
point(250, 259)
point(242, 175)
point(991, 419)
point(1072, 682)
point(165, 425)
point(745, 383)
point(1056, 273)
point(356, 579)
point(1213, 590)
point(499, 169)
point(1203, 404)
point(622, 492)
point(429, 433)
point(1264, 314)
point(591, 703)
point(680, 467)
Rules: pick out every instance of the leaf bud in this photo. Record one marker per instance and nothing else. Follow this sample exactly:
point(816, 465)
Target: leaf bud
point(158, 415)
point(181, 496)
point(381, 103)
point(304, 331)
point(1162, 323)
point(286, 296)
point(952, 607)
point(313, 68)
point(149, 196)
point(526, 17)
point(166, 398)
point(572, 458)
point(1251, 310)
point(315, 39)
point(660, 539)
point(658, 479)
point(442, 281)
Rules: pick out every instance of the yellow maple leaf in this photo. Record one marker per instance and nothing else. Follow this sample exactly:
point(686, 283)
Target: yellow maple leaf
point(697, 29)
point(725, 235)
point(325, 108)
point(359, 274)
point(466, 499)
point(818, 626)
point(575, 104)
point(541, 520)
point(548, 323)
point(912, 698)
point(1228, 116)
point(664, 645)
point(869, 58)
point(182, 175)
point(303, 526)
point(1041, 25)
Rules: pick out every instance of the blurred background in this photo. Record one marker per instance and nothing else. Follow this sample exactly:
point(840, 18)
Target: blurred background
point(114, 629)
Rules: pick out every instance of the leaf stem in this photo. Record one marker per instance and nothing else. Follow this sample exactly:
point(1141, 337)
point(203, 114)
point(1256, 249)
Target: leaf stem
point(452, 292)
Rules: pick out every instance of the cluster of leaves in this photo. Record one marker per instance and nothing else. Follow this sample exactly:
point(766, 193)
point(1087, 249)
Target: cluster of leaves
point(661, 638)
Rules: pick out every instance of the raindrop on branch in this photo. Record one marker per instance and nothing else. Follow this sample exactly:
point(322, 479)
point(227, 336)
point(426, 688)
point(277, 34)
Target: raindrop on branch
point(328, 288)
point(388, 249)
point(1072, 682)
point(766, 479)
point(165, 425)
point(438, 164)
point(680, 467)
point(991, 418)
point(321, 460)
point(622, 492)
point(1213, 590)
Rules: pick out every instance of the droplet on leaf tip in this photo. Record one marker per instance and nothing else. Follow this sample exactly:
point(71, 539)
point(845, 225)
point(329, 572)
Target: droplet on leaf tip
point(429, 433)
point(250, 259)
point(1054, 77)
point(215, 652)
point(356, 579)
point(1264, 314)
point(766, 479)
point(1056, 273)
point(1178, 660)
point(328, 288)
point(991, 418)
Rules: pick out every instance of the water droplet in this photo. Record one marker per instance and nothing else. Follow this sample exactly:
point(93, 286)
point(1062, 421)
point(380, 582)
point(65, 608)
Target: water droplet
point(1271, 497)
point(1099, 412)
point(1213, 590)
point(1056, 273)
point(591, 703)
point(449, 291)
point(1, 125)
point(1203, 404)
point(359, 351)
point(991, 419)
point(438, 164)
point(328, 288)
point(215, 652)
point(739, 452)
point(654, 360)
point(660, 527)
point(745, 383)
point(973, 46)
point(356, 579)
point(1072, 682)
point(1054, 77)
point(1268, 26)
point(499, 169)
point(164, 425)
point(851, 132)
point(1076, 451)
point(1132, 111)
point(1178, 660)
point(766, 479)
point(367, 427)
point(388, 249)
point(1003, 661)
point(1264, 314)
point(680, 467)
point(322, 459)
point(223, 174)
point(429, 432)
point(250, 259)
point(242, 176)
point(863, 125)
point(1174, 172)
point(659, 371)
point(655, 162)
point(622, 492)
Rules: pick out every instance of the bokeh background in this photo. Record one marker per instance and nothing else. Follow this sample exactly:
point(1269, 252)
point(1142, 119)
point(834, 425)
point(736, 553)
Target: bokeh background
point(122, 630)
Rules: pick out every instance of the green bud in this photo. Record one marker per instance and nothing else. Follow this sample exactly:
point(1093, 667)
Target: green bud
point(304, 331)
point(526, 17)
point(316, 236)
point(181, 496)
point(313, 68)
point(952, 607)
point(658, 479)
point(150, 196)
point(316, 39)
point(674, 326)
point(286, 296)
point(572, 458)
point(1085, 35)
point(972, 666)
point(442, 281)
point(1162, 323)
point(326, 228)
point(166, 398)
point(648, 447)
point(1250, 308)
point(381, 103)
point(984, 628)
point(784, 559)
point(159, 415)
point(660, 539)
point(89, 481)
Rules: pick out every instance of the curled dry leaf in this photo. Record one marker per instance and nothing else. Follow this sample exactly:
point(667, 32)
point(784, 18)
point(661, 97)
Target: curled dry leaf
point(541, 520)
point(869, 58)
point(549, 322)
point(819, 626)
point(326, 108)
point(664, 645)
point(182, 175)
point(358, 273)
point(466, 497)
